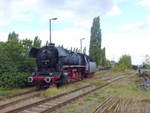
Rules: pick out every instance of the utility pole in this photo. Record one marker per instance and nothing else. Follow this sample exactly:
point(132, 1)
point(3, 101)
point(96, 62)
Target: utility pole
point(81, 44)
point(50, 28)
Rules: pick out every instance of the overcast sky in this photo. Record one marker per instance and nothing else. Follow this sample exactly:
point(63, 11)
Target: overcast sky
point(125, 24)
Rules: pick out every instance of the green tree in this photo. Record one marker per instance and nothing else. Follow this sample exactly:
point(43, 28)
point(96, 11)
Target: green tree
point(46, 43)
point(14, 50)
point(95, 41)
point(84, 50)
point(13, 36)
point(15, 65)
point(126, 61)
point(108, 63)
point(74, 49)
point(71, 49)
point(5, 62)
point(103, 57)
point(77, 50)
point(37, 42)
point(62, 46)
point(27, 43)
point(123, 64)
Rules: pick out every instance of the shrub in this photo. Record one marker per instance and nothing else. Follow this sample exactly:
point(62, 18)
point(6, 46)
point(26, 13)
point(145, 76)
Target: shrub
point(119, 68)
point(13, 80)
point(123, 65)
point(14, 61)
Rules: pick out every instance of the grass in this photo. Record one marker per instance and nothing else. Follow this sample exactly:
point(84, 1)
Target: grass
point(127, 87)
point(55, 91)
point(84, 105)
point(102, 72)
point(123, 88)
point(5, 92)
point(51, 92)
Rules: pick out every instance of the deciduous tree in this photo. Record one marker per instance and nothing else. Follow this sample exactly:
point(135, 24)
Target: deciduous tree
point(95, 50)
point(37, 42)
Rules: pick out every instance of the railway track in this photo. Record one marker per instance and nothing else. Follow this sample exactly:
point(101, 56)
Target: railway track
point(102, 107)
point(18, 94)
point(37, 101)
point(18, 98)
point(122, 105)
point(45, 105)
point(31, 101)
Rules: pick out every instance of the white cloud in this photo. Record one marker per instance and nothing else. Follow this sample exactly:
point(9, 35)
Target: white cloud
point(144, 2)
point(3, 36)
point(14, 10)
point(115, 11)
point(136, 26)
point(67, 37)
point(78, 13)
point(135, 44)
point(85, 8)
point(3, 22)
point(25, 10)
point(132, 39)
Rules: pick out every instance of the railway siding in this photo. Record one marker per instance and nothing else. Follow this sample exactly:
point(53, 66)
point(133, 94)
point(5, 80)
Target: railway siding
point(36, 101)
point(53, 105)
point(122, 105)
point(41, 104)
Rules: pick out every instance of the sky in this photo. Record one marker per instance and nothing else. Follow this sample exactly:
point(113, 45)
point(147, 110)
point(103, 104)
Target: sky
point(125, 24)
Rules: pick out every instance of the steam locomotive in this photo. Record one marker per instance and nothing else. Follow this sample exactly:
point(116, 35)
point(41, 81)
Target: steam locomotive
point(58, 66)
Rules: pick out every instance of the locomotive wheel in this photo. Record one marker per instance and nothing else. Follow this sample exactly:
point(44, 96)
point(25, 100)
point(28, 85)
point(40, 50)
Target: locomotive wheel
point(42, 86)
point(63, 80)
point(59, 83)
point(39, 86)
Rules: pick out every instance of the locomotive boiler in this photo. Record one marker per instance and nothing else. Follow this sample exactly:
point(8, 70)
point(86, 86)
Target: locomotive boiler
point(58, 66)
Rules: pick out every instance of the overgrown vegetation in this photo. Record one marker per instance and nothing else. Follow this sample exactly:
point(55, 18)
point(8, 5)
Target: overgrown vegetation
point(126, 88)
point(84, 105)
point(51, 92)
point(15, 64)
point(7, 92)
point(123, 64)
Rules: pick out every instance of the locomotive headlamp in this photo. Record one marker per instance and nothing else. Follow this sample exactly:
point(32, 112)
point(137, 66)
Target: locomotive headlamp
point(50, 73)
point(66, 73)
point(47, 79)
point(30, 79)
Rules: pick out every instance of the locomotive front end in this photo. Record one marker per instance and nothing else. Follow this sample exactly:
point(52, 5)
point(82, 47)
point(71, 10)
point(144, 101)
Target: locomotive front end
point(46, 71)
point(42, 81)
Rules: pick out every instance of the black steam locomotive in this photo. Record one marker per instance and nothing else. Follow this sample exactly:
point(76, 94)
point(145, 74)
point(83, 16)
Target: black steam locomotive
point(57, 66)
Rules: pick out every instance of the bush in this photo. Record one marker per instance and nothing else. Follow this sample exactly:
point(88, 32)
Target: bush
point(119, 68)
point(123, 65)
point(13, 80)
point(15, 65)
